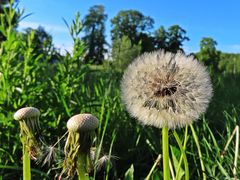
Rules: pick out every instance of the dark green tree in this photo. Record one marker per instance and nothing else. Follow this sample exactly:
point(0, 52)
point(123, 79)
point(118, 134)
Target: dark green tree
point(94, 28)
point(41, 43)
point(208, 54)
point(160, 38)
point(170, 40)
point(135, 26)
point(176, 36)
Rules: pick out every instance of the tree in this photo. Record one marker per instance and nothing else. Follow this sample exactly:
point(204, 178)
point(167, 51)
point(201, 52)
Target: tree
point(160, 38)
point(124, 52)
point(208, 53)
point(170, 40)
point(94, 28)
point(134, 25)
point(41, 43)
point(176, 37)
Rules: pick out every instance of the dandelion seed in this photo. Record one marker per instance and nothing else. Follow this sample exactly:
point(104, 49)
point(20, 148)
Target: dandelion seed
point(104, 160)
point(165, 89)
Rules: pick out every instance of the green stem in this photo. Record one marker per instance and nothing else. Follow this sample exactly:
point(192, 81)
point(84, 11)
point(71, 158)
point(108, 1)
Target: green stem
point(26, 161)
point(199, 151)
point(165, 150)
point(183, 155)
point(236, 153)
point(153, 167)
point(82, 166)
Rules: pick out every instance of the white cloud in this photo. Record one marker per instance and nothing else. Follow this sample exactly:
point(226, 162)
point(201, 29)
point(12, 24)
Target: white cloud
point(48, 27)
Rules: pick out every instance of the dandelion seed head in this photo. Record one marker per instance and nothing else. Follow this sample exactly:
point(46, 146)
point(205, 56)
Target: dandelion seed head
point(27, 112)
point(165, 89)
point(82, 122)
point(28, 118)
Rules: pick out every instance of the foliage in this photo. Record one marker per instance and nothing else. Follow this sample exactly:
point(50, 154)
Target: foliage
point(123, 52)
point(69, 86)
point(171, 40)
point(229, 63)
point(176, 36)
point(134, 25)
point(208, 53)
point(94, 38)
point(42, 43)
point(8, 7)
point(160, 38)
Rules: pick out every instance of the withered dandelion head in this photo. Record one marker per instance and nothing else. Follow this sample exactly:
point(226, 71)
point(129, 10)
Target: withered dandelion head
point(28, 118)
point(81, 133)
point(30, 115)
point(166, 89)
point(82, 122)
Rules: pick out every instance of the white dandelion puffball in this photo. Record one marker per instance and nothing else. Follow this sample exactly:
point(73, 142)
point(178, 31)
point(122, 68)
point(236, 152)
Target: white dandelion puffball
point(166, 89)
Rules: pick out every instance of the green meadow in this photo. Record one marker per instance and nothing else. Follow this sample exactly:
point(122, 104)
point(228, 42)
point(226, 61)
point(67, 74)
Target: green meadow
point(34, 73)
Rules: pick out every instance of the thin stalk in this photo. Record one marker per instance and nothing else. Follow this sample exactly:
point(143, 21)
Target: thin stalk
point(236, 153)
point(110, 153)
point(171, 170)
point(26, 161)
point(199, 151)
point(82, 167)
point(228, 142)
point(153, 167)
point(183, 155)
point(165, 149)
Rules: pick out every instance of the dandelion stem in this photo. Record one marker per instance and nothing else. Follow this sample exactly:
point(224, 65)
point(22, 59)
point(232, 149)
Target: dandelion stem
point(82, 166)
point(26, 161)
point(199, 151)
point(165, 149)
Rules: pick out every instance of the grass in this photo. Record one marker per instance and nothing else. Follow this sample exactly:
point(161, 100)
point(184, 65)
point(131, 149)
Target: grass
point(69, 87)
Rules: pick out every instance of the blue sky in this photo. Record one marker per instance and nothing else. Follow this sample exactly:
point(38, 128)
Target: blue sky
point(218, 19)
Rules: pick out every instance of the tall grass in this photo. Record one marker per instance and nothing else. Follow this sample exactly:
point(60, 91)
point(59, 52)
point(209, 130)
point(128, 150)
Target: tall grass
point(69, 87)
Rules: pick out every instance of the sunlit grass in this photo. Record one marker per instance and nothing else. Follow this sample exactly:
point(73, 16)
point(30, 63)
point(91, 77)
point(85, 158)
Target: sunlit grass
point(69, 87)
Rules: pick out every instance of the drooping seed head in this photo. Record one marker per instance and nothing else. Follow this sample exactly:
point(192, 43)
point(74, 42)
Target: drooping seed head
point(26, 113)
point(82, 122)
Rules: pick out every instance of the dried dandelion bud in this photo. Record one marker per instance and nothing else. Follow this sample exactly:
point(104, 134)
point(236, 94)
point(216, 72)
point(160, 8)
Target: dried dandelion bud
point(79, 141)
point(28, 118)
point(30, 115)
point(166, 89)
point(82, 123)
point(25, 113)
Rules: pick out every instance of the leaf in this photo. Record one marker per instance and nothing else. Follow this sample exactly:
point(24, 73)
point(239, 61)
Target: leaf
point(129, 175)
point(176, 152)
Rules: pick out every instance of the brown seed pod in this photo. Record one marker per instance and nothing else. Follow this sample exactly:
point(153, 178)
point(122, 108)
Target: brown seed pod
point(28, 119)
point(82, 122)
point(26, 113)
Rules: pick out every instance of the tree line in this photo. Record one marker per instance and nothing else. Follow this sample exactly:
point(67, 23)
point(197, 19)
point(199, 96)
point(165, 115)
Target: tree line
point(130, 27)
